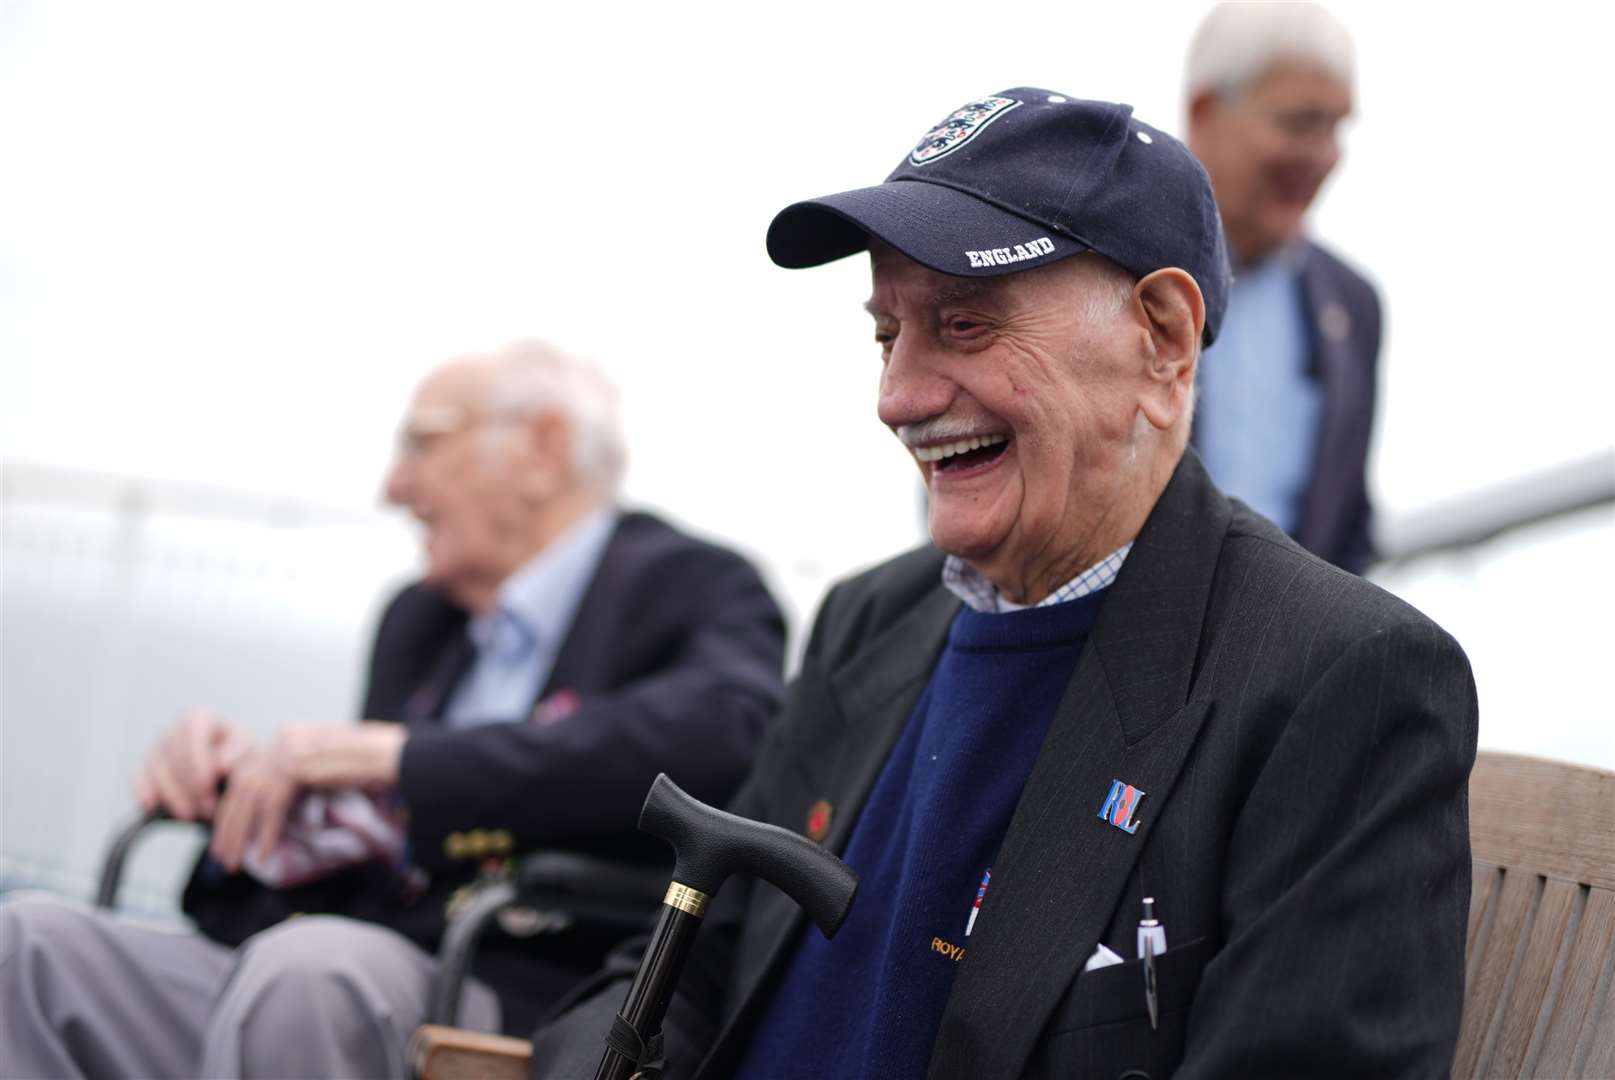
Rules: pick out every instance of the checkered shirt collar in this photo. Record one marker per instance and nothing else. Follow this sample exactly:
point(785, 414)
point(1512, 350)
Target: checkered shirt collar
point(981, 595)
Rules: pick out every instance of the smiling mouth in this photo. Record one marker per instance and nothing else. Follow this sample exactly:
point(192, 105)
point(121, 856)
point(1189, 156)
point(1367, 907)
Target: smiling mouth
point(962, 454)
point(1295, 186)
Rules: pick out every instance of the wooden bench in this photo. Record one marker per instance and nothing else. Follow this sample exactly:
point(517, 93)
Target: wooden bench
point(1541, 943)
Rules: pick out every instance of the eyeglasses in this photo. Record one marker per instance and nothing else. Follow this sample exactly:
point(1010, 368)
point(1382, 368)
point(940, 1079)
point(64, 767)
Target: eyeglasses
point(429, 427)
point(1306, 124)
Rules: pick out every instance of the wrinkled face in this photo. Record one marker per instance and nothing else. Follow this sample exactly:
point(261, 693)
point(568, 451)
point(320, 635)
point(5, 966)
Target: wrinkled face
point(1269, 149)
point(1017, 397)
point(456, 471)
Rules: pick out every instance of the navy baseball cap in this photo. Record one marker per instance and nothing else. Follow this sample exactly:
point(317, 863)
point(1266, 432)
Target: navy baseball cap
point(1021, 179)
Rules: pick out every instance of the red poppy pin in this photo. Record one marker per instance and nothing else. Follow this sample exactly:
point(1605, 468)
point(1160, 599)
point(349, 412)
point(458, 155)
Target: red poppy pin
point(818, 820)
point(558, 706)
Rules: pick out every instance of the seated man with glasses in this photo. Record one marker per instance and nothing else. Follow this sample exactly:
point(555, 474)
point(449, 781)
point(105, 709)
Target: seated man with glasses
point(558, 654)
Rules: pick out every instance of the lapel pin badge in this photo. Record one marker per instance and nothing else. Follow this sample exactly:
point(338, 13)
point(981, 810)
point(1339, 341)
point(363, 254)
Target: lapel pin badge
point(557, 707)
point(818, 821)
point(1335, 321)
point(1120, 805)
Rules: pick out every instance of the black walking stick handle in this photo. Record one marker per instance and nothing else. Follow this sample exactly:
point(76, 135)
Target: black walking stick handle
point(709, 845)
point(712, 844)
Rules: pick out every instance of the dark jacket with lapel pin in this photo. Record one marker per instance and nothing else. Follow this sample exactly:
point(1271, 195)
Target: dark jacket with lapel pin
point(674, 658)
point(1343, 324)
point(1343, 318)
point(1304, 741)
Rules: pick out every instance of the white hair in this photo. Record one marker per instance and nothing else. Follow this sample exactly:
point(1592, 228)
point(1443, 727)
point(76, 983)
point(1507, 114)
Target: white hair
point(1238, 43)
point(1109, 296)
point(1109, 290)
point(532, 376)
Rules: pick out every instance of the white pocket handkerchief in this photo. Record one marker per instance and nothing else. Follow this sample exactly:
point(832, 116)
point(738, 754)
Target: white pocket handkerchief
point(1102, 957)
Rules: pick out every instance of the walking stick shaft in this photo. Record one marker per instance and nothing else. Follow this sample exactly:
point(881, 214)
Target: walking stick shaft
point(652, 989)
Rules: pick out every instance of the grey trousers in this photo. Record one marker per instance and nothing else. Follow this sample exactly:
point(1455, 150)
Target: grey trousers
point(87, 993)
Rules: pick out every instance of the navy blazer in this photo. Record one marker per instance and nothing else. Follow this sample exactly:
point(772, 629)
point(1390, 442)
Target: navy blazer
point(1343, 317)
point(1342, 313)
point(1303, 742)
point(672, 663)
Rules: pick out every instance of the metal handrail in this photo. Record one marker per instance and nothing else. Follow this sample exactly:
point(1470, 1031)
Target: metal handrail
point(1474, 519)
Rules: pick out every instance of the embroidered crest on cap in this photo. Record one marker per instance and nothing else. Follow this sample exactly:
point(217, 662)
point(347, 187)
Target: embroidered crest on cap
point(959, 128)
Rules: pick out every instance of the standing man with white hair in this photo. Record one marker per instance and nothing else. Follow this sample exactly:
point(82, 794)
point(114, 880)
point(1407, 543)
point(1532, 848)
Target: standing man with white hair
point(1287, 393)
point(559, 653)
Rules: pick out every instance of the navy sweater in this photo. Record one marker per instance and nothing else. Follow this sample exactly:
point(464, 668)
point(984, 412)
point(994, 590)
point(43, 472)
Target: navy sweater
point(868, 1003)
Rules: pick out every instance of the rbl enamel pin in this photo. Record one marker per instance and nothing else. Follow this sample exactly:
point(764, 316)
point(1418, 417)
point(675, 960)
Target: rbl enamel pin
point(1120, 805)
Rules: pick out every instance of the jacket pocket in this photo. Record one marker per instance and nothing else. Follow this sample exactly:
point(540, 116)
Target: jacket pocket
point(1110, 994)
point(1101, 1029)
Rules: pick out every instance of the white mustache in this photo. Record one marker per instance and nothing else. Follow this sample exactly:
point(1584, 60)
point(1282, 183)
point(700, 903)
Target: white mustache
point(938, 428)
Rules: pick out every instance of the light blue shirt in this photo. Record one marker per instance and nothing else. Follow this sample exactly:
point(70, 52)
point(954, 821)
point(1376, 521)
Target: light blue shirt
point(1258, 410)
point(517, 642)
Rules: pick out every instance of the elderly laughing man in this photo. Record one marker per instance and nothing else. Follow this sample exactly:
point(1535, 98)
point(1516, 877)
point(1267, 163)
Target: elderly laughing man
point(1104, 694)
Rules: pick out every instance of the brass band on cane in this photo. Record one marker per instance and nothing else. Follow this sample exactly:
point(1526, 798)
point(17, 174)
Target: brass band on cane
point(686, 899)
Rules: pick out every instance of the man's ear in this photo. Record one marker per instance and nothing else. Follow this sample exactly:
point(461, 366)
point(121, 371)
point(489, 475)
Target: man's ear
point(1203, 114)
point(1202, 105)
point(547, 467)
point(1176, 314)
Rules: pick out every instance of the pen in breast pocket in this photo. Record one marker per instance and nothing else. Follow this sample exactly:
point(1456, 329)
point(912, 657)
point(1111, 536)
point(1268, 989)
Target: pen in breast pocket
point(1151, 943)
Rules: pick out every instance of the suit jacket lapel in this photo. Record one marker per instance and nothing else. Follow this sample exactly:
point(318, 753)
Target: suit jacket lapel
point(594, 640)
point(879, 688)
point(866, 703)
point(428, 702)
point(1127, 715)
point(1330, 330)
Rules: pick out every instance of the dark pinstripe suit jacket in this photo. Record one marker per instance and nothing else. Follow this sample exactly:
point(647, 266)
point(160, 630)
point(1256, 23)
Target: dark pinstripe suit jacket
point(1304, 741)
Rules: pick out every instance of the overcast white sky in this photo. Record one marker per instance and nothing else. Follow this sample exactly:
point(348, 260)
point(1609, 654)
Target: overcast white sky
point(233, 235)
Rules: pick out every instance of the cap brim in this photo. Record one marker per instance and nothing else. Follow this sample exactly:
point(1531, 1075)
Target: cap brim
point(940, 227)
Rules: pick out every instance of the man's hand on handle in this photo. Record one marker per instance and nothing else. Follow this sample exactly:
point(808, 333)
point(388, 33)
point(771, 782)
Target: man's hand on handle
point(265, 783)
point(203, 751)
point(183, 772)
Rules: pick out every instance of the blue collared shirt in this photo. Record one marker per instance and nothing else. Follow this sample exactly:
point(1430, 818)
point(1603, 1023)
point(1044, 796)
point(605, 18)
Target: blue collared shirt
point(517, 642)
point(1259, 405)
